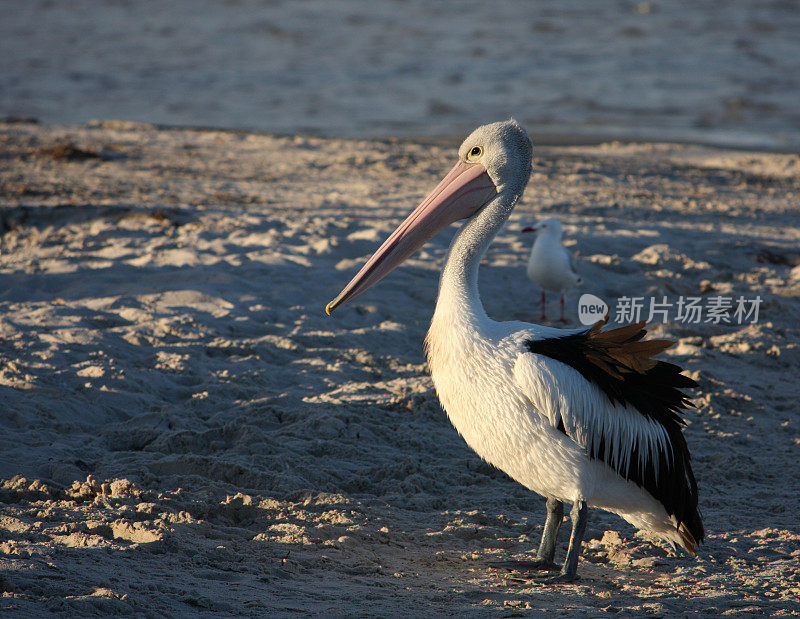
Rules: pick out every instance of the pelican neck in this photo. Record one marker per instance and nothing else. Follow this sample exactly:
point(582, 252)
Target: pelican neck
point(459, 300)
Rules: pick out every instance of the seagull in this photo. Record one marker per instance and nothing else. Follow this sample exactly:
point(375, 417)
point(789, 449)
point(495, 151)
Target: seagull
point(550, 266)
point(585, 416)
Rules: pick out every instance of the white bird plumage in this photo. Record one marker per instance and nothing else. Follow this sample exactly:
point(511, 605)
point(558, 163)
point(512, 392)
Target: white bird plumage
point(550, 265)
point(581, 416)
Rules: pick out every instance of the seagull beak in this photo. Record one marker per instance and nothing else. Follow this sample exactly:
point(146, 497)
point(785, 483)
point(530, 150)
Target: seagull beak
point(465, 189)
point(530, 229)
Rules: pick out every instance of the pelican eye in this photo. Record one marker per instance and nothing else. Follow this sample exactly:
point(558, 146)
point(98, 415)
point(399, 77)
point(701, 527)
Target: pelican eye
point(475, 153)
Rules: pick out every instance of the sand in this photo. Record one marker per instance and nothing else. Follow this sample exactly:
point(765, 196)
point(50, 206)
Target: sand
point(185, 431)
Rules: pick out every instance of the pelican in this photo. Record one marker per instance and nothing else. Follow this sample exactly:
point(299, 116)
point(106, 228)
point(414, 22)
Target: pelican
point(550, 265)
point(582, 416)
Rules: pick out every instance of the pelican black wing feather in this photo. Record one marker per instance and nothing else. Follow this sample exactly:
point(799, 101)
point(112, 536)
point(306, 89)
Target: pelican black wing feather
point(619, 361)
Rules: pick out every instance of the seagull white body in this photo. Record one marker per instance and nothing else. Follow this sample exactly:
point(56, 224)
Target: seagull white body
point(563, 412)
point(550, 265)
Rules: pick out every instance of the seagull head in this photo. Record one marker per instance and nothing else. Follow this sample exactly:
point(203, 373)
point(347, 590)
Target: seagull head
point(547, 227)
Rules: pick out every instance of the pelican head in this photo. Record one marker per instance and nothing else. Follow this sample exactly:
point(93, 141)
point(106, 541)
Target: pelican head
point(494, 164)
point(547, 227)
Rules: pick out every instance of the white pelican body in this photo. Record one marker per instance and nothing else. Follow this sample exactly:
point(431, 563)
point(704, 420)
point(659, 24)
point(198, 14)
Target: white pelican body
point(550, 265)
point(581, 416)
point(496, 418)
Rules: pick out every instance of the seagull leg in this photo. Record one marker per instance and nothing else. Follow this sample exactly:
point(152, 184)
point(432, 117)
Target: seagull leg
point(547, 547)
point(579, 515)
point(564, 320)
point(544, 302)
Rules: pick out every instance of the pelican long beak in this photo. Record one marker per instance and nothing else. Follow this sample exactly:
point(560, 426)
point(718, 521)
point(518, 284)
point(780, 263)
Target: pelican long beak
point(465, 189)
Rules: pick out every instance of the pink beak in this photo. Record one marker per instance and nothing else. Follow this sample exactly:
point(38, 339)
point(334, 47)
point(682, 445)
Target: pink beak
point(465, 189)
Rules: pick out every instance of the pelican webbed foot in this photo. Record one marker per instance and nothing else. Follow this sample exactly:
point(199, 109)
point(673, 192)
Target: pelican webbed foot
point(536, 565)
point(561, 579)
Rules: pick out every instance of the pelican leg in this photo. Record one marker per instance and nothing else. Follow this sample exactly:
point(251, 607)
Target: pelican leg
point(579, 515)
point(547, 547)
point(544, 303)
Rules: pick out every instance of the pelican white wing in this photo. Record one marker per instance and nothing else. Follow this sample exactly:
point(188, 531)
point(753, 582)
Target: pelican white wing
point(603, 390)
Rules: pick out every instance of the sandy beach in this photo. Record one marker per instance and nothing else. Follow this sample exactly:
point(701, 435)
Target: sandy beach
point(185, 431)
